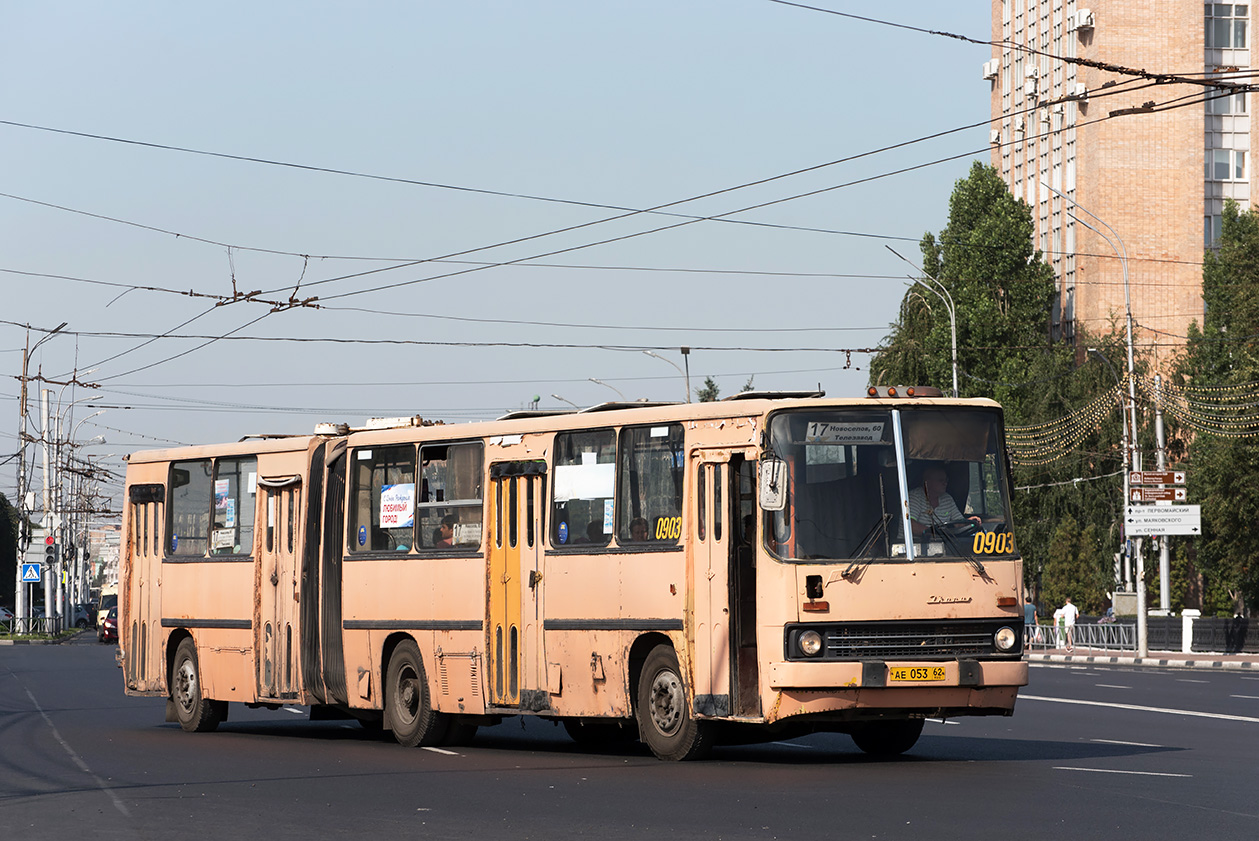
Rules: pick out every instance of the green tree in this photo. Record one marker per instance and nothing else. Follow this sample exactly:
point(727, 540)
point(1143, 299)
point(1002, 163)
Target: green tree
point(1225, 353)
point(709, 391)
point(8, 549)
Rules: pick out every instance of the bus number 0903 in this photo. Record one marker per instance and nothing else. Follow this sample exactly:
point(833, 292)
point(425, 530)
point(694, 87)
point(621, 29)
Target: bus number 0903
point(991, 543)
point(668, 528)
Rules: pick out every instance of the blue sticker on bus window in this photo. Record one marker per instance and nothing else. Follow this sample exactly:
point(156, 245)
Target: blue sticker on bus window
point(174, 542)
point(563, 532)
point(362, 535)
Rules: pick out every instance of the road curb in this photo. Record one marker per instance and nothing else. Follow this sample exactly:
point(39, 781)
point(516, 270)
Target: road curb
point(1175, 663)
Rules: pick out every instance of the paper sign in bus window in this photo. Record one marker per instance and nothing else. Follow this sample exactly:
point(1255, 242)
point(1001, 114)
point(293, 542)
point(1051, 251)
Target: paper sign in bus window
point(397, 506)
point(584, 481)
point(843, 433)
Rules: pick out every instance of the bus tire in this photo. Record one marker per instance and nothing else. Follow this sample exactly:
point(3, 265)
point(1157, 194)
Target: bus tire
point(409, 710)
point(887, 738)
point(664, 716)
point(196, 713)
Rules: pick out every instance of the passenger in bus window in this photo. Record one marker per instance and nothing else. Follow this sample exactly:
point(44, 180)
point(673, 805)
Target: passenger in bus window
point(594, 532)
point(638, 530)
point(444, 534)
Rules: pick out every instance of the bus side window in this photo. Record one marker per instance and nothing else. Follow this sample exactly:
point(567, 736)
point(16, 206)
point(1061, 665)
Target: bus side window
point(191, 497)
point(382, 499)
point(583, 488)
point(649, 484)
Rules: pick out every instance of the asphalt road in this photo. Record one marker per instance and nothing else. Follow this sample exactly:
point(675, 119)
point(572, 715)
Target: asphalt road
point(1089, 753)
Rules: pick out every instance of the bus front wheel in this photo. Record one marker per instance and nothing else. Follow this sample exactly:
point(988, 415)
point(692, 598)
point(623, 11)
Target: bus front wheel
point(887, 738)
point(409, 712)
point(664, 717)
point(196, 713)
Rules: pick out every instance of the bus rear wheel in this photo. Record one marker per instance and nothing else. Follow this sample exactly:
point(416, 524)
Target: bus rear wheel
point(196, 713)
point(409, 712)
point(664, 717)
point(887, 738)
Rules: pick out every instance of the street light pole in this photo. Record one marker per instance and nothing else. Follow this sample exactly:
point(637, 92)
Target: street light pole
point(614, 388)
point(1121, 251)
point(1123, 424)
point(686, 351)
point(943, 294)
point(565, 400)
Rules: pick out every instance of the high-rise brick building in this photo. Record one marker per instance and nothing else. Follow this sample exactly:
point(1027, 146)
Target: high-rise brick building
point(1157, 175)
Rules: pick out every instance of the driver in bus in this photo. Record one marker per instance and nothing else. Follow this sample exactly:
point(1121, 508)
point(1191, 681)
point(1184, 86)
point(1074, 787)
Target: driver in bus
point(930, 504)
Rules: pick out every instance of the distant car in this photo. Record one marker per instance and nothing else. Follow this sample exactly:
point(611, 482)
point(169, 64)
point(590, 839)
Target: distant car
point(6, 615)
point(82, 616)
point(108, 630)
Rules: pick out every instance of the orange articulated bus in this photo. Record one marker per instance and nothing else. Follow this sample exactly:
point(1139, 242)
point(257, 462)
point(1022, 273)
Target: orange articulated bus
point(760, 567)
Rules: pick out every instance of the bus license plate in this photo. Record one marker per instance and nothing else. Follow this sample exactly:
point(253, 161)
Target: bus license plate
point(914, 674)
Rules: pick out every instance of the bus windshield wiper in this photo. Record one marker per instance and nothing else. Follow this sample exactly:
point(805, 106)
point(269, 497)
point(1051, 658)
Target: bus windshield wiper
point(878, 530)
point(959, 550)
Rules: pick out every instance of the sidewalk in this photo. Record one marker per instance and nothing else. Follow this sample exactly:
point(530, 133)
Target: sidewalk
point(1164, 659)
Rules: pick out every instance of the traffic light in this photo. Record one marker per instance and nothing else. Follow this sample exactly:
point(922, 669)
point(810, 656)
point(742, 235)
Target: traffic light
point(50, 553)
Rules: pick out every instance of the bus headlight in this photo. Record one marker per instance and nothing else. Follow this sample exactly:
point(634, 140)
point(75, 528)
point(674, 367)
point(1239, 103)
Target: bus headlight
point(1005, 639)
point(810, 643)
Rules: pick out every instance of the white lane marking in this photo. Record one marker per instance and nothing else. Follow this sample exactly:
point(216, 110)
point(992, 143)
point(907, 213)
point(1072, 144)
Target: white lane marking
point(1139, 708)
point(1190, 680)
point(78, 760)
point(1112, 771)
point(1132, 744)
point(441, 751)
point(1247, 697)
point(942, 721)
point(1111, 686)
point(294, 710)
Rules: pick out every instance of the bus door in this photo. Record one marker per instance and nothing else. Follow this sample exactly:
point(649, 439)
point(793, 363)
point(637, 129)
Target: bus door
point(277, 631)
point(142, 638)
point(515, 658)
point(725, 578)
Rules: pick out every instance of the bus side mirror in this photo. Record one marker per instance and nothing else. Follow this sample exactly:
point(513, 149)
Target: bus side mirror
point(773, 489)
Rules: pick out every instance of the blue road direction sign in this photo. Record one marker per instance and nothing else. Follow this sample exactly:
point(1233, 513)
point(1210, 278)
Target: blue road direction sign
point(31, 574)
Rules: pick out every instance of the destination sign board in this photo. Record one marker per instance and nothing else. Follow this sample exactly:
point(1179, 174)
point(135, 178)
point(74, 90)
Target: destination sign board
point(1163, 519)
point(1158, 495)
point(1156, 477)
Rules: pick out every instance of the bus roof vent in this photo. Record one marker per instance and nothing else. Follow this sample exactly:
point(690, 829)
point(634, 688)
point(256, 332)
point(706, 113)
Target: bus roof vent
point(775, 395)
point(393, 423)
point(332, 428)
point(264, 436)
point(613, 405)
point(535, 413)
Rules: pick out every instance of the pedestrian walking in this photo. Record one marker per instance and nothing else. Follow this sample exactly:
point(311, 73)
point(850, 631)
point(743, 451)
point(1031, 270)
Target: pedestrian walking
point(1069, 614)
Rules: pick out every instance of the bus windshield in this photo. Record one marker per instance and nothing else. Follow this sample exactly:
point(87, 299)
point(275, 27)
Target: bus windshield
point(844, 498)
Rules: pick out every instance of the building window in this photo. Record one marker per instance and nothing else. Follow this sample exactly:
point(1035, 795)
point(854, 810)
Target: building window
point(1221, 101)
point(1226, 26)
point(1225, 165)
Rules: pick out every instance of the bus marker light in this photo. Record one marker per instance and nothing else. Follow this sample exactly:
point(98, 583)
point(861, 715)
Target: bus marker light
point(816, 607)
point(1006, 601)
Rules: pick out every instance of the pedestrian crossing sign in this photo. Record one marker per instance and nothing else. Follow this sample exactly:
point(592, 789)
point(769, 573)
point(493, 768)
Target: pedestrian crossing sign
point(31, 574)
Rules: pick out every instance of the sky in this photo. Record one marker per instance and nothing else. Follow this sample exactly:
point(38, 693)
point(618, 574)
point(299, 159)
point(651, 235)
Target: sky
point(456, 193)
